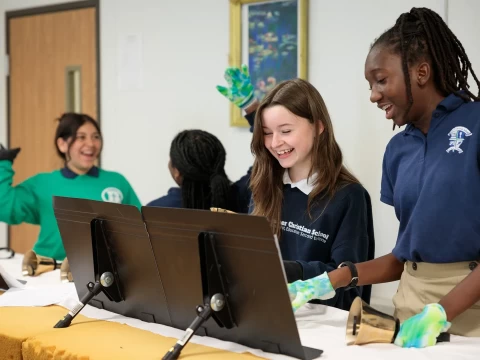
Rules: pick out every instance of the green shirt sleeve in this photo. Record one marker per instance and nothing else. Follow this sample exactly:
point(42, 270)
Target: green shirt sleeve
point(17, 203)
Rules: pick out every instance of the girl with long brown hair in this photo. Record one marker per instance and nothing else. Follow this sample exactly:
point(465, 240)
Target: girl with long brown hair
point(319, 211)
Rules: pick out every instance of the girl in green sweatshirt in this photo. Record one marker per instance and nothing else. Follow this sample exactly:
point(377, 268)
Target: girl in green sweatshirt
point(78, 141)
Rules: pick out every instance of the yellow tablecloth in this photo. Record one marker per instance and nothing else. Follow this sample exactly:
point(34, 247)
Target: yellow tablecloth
point(29, 332)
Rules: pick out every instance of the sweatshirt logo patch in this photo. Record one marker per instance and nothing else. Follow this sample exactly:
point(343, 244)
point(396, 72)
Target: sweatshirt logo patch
point(112, 195)
point(304, 232)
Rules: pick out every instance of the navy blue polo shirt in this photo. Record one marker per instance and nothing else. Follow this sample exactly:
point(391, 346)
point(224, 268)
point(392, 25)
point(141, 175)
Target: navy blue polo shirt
point(433, 182)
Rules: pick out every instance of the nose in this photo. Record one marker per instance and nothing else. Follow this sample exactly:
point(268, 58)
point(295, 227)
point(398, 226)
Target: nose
point(89, 141)
point(276, 140)
point(375, 95)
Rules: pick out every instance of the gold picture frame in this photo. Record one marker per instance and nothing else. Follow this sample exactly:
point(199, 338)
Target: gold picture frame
point(235, 56)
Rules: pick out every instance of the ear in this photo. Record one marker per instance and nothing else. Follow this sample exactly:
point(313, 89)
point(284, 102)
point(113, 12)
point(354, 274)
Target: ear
point(321, 127)
point(177, 177)
point(62, 145)
point(423, 73)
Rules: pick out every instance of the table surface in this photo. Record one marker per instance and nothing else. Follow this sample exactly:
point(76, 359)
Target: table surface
point(319, 327)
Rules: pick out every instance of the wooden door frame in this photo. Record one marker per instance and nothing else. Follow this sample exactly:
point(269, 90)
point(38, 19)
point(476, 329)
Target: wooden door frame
point(45, 10)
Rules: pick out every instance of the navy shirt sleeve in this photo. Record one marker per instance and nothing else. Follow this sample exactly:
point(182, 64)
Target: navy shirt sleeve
point(354, 242)
point(251, 119)
point(241, 194)
point(173, 199)
point(386, 191)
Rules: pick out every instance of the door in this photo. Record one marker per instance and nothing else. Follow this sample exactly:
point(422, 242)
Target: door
point(53, 69)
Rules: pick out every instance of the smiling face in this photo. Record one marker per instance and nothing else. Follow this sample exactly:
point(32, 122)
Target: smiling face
point(384, 73)
point(82, 150)
point(289, 138)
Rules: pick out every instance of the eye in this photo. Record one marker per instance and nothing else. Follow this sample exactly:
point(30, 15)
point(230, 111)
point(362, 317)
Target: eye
point(266, 133)
point(97, 137)
point(382, 81)
point(81, 137)
point(286, 131)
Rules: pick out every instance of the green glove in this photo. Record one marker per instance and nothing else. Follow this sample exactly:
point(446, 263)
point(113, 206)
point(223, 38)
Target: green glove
point(422, 330)
point(302, 291)
point(240, 88)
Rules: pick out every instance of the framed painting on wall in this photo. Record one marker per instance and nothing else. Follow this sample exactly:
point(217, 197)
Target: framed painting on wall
point(271, 38)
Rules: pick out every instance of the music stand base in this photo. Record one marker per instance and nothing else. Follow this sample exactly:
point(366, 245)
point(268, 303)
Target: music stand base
point(311, 353)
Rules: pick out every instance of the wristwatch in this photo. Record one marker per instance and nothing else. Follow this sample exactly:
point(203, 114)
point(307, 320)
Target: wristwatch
point(353, 270)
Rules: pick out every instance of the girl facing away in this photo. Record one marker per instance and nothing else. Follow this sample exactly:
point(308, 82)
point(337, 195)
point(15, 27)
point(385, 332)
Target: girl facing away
point(197, 165)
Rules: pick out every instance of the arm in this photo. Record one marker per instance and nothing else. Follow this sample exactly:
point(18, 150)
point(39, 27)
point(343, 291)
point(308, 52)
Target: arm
point(384, 269)
point(381, 270)
point(463, 296)
point(17, 204)
point(130, 197)
point(467, 292)
point(240, 92)
point(422, 329)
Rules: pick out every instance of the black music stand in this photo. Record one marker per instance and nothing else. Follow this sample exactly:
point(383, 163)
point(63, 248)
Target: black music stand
point(164, 263)
point(123, 230)
point(251, 268)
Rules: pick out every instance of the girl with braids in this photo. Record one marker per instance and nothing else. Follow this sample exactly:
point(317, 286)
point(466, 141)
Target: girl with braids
point(197, 160)
point(78, 141)
point(418, 72)
point(319, 211)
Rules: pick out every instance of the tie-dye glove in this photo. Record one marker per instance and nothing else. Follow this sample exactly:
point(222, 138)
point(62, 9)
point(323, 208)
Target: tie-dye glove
point(302, 291)
point(422, 330)
point(240, 88)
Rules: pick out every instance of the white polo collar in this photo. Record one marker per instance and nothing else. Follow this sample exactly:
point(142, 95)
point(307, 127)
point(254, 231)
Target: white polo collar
point(304, 185)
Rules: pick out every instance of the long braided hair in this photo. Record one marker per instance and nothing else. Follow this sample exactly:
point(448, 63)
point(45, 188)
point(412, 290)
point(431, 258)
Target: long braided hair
point(200, 158)
point(422, 34)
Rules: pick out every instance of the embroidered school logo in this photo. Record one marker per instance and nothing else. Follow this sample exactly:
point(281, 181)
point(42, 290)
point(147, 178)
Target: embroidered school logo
point(112, 195)
point(457, 137)
point(305, 232)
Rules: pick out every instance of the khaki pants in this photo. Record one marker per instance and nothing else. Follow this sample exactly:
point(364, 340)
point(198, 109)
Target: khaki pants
point(424, 283)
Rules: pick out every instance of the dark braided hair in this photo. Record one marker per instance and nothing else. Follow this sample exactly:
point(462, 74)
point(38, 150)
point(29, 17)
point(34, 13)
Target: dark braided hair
point(200, 158)
point(422, 34)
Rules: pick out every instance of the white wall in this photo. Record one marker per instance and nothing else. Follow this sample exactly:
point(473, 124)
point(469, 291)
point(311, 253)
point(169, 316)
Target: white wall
point(185, 50)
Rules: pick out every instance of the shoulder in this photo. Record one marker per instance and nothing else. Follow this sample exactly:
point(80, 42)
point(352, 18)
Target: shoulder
point(52, 176)
point(351, 191)
point(472, 107)
point(113, 176)
point(467, 114)
point(172, 199)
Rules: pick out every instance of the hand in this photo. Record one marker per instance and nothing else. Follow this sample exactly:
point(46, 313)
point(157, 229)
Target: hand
point(6, 154)
point(422, 330)
point(240, 88)
point(302, 291)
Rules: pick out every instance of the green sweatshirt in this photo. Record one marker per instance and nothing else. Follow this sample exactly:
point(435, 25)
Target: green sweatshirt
point(32, 202)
